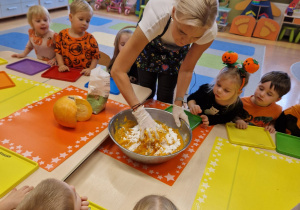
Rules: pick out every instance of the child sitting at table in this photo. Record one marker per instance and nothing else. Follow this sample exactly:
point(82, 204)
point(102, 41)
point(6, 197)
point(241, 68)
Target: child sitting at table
point(261, 109)
point(154, 202)
point(48, 194)
point(75, 47)
point(218, 103)
point(289, 121)
point(121, 38)
point(41, 38)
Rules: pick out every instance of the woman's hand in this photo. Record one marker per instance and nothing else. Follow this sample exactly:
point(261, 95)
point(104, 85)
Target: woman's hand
point(145, 122)
point(178, 114)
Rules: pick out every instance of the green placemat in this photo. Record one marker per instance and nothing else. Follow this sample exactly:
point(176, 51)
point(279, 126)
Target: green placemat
point(194, 120)
point(288, 145)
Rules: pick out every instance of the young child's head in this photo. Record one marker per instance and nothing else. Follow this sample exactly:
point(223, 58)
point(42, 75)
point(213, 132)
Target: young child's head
point(273, 85)
point(80, 15)
point(39, 19)
point(120, 40)
point(154, 202)
point(227, 87)
point(51, 194)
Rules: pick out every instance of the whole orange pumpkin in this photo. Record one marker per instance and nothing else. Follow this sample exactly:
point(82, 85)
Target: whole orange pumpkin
point(230, 57)
point(251, 65)
point(68, 110)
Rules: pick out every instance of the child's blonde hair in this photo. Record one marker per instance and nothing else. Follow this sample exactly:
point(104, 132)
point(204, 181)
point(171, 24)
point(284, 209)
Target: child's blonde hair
point(197, 13)
point(80, 6)
point(155, 202)
point(37, 10)
point(125, 30)
point(235, 74)
point(48, 194)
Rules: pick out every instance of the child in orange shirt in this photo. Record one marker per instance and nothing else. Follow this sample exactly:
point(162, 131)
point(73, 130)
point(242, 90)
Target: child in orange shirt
point(261, 109)
point(41, 38)
point(75, 47)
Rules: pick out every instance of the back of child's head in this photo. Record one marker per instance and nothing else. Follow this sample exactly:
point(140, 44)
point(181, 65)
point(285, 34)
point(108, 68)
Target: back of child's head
point(279, 80)
point(125, 30)
point(196, 13)
point(37, 11)
point(80, 6)
point(50, 194)
point(235, 74)
point(154, 202)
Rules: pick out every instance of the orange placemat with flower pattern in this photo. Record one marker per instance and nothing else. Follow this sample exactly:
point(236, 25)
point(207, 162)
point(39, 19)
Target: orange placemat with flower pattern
point(169, 171)
point(34, 133)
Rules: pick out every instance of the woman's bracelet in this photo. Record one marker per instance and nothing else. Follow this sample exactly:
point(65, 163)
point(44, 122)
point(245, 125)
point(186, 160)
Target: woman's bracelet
point(134, 107)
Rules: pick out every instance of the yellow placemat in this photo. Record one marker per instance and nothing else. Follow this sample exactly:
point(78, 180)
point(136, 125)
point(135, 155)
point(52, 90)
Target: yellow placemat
point(253, 136)
point(14, 168)
point(239, 177)
point(24, 93)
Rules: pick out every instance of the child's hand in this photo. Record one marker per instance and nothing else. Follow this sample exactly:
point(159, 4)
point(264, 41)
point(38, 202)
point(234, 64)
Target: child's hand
point(270, 128)
point(84, 203)
point(205, 121)
point(21, 55)
point(195, 109)
point(52, 62)
point(14, 198)
point(86, 72)
point(241, 124)
point(63, 68)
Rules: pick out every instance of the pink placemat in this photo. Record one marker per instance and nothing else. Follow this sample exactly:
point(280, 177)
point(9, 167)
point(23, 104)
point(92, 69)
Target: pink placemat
point(34, 133)
point(169, 171)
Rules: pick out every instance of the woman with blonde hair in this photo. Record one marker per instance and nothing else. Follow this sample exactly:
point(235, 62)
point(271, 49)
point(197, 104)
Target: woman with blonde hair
point(169, 40)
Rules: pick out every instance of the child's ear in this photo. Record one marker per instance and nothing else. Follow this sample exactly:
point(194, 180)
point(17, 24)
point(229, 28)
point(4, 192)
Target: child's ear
point(240, 92)
point(70, 16)
point(278, 99)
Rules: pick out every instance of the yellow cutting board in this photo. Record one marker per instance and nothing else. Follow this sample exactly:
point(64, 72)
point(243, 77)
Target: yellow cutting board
point(252, 136)
point(240, 177)
point(93, 206)
point(14, 168)
point(24, 93)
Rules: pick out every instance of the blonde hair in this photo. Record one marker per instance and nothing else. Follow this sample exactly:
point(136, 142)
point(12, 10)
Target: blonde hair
point(154, 202)
point(199, 13)
point(50, 194)
point(80, 6)
point(233, 73)
point(125, 30)
point(37, 10)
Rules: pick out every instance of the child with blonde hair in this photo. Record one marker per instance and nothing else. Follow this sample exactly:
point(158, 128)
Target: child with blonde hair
point(154, 202)
point(41, 38)
point(75, 47)
point(50, 194)
point(120, 40)
point(219, 103)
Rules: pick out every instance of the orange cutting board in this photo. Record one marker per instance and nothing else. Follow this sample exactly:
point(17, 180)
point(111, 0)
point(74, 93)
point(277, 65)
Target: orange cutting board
point(34, 133)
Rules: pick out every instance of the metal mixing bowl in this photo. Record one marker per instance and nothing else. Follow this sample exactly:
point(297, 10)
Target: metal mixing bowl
point(157, 114)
